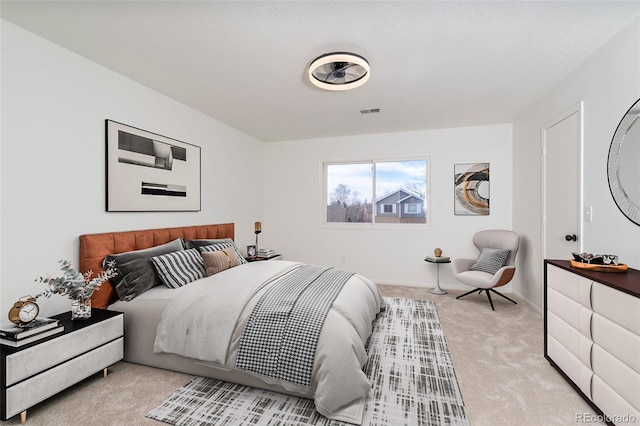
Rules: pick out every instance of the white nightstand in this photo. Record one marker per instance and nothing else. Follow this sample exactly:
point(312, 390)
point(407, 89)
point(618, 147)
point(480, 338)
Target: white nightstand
point(32, 373)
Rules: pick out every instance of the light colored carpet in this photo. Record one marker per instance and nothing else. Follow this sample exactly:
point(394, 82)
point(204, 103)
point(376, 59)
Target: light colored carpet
point(497, 356)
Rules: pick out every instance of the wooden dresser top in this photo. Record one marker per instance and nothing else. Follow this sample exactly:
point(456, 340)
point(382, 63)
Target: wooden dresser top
point(628, 282)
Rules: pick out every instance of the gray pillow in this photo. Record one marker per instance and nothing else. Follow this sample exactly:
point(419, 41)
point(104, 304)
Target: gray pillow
point(491, 260)
point(136, 273)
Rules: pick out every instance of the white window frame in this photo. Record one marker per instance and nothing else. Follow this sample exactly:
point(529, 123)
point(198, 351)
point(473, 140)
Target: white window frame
point(373, 224)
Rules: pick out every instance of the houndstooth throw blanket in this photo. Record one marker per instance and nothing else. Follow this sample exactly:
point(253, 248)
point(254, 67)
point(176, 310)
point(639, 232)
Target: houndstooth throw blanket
point(282, 332)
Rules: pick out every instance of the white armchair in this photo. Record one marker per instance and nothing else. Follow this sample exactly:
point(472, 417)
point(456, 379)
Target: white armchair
point(495, 265)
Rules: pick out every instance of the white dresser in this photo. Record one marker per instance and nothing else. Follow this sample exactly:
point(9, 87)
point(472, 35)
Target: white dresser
point(592, 336)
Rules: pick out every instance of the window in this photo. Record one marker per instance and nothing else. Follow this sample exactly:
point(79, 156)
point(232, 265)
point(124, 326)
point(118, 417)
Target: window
point(387, 208)
point(412, 208)
point(376, 192)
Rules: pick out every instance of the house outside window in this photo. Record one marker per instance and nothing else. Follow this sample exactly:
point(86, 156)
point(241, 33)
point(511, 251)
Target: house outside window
point(376, 192)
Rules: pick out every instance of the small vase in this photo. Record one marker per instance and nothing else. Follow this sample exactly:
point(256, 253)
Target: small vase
point(81, 309)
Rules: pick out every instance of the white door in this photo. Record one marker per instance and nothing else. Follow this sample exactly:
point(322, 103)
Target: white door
point(562, 224)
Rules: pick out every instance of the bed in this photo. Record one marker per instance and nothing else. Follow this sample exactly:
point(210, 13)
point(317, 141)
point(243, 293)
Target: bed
point(204, 328)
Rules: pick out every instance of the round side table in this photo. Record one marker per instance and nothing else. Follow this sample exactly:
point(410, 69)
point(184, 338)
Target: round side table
point(437, 289)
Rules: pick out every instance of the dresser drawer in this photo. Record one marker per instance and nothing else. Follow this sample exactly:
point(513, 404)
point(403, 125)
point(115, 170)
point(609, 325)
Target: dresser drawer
point(570, 311)
point(579, 373)
point(615, 407)
point(40, 387)
point(574, 341)
point(618, 341)
point(571, 285)
point(35, 359)
point(617, 375)
point(617, 306)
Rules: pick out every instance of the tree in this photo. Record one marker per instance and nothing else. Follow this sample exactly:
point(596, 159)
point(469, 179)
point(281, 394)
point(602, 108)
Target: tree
point(357, 211)
point(341, 195)
point(417, 187)
point(346, 207)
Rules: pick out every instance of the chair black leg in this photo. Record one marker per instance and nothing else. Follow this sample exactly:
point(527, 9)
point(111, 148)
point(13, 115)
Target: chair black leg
point(490, 301)
point(488, 290)
point(500, 294)
point(469, 292)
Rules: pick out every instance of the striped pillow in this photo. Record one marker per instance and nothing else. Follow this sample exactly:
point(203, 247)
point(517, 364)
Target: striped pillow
point(219, 260)
point(179, 268)
point(491, 260)
point(222, 246)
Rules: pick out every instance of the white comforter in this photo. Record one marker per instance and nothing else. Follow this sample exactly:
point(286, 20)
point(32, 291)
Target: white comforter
point(205, 321)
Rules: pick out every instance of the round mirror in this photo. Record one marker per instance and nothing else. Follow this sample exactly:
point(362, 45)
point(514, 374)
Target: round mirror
point(623, 165)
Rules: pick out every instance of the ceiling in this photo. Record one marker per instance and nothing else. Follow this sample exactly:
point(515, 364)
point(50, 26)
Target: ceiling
point(433, 64)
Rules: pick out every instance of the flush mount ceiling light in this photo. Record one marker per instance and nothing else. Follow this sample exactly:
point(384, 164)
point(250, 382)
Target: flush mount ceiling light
point(339, 71)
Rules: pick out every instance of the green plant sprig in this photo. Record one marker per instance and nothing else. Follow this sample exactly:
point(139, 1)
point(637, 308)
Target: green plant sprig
point(72, 283)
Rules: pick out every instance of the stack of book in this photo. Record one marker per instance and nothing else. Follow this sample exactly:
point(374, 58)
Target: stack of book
point(440, 259)
point(16, 336)
point(266, 253)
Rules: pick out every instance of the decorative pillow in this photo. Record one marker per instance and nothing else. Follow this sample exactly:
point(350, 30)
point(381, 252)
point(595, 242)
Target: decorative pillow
point(214, 245)
point(180, 267)
point(219, 260)
point(136, 273)
point(491, 260)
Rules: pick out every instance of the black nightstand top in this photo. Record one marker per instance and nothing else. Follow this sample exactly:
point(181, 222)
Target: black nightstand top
point(257, 259)
point(70, 326)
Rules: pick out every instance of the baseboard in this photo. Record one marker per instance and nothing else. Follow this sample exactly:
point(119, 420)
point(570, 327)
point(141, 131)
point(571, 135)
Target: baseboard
point(461, 287)
point(531, 306)
point(444, 286)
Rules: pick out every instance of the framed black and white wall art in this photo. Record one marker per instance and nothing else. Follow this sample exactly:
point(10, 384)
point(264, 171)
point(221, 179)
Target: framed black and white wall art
point(471, 189)
point(150, 172)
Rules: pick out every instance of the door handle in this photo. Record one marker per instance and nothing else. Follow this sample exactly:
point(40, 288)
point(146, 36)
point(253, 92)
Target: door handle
point(571, 237)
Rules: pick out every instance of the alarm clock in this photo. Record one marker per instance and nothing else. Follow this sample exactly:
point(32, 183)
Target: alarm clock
point(24, 311)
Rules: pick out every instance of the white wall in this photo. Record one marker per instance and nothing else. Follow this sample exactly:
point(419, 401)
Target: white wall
point(293, 196)
point(54, 106)
point(609, 84)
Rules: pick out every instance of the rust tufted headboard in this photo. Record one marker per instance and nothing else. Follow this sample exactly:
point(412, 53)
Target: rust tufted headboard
point(95, 247)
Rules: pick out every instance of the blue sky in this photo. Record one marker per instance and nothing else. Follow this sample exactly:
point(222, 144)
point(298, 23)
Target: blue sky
point(390, 175)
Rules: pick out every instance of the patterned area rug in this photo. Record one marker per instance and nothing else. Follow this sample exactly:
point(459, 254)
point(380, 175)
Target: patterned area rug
point(412, 383)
